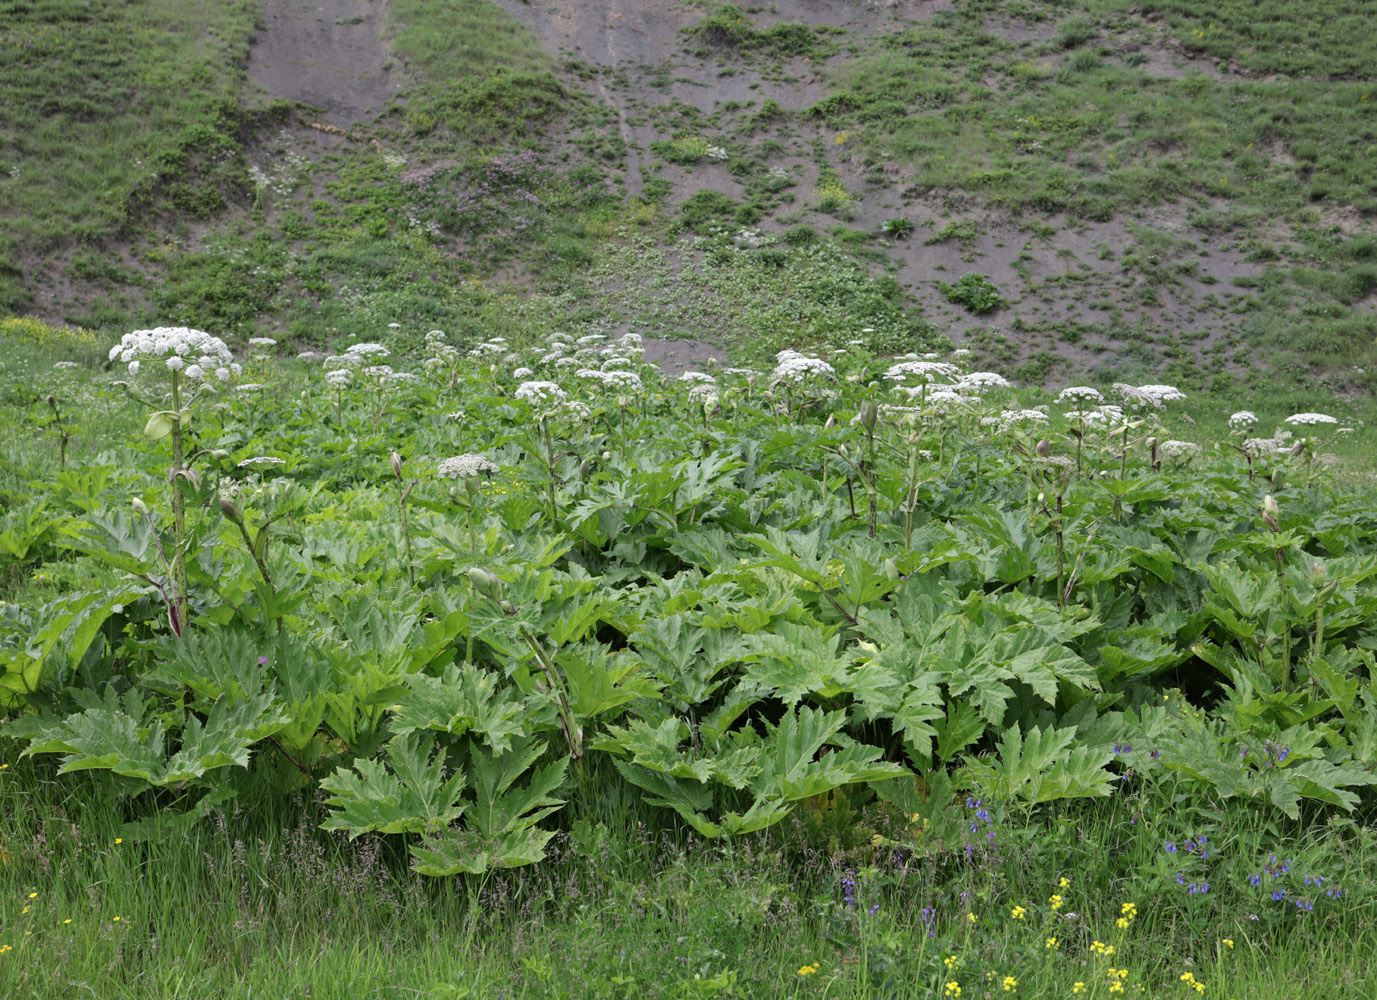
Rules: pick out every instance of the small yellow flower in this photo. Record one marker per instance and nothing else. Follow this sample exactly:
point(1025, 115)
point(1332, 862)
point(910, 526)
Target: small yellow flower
point(806, 970)
point(119, 840)
point(951, 962)
point(1116, 987)
point(1122, 923)
point(1051, 942)
point(117, 920)
point(1010, 984)
point(1018, 913)
point(972, 917)
point(1064, 882)
point(953, 989)
point(1129, 910)
point(1119, 973)
point(24, 910)
point(1056, 901)
point(67, 921)
point(1078, 987)
point(33, 895)
point(1228, 942)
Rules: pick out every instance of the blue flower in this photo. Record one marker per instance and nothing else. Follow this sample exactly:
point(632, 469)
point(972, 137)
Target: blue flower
point(1171, 848)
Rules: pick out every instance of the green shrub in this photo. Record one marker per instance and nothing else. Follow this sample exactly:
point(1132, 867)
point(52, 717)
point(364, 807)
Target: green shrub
point(974, 291)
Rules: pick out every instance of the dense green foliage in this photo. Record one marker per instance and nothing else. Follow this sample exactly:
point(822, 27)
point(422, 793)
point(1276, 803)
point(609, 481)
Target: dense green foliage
point(722, 604)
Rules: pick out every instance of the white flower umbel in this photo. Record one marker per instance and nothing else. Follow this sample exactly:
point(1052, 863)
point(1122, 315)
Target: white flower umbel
point(541, 392)
point(1080, 394)
point(697, 377)
point(795, 367)
point(1148, 395)
point(1178, 449)
point(174, 346)
point(978, 382)
point(1108, 415)
point(261, 460)
point(1243, 420)
point(921, 371)
point(1310, 419)
point(522, 373)
point(466, 466)
point(614, 379)
point(262, 342)
point(368, 350)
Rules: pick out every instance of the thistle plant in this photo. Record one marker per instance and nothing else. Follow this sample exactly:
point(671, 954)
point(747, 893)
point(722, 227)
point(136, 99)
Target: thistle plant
point(194, 362)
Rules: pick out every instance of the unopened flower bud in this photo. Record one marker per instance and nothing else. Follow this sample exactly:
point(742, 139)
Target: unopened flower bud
point(869, 414)
point(139, 506)
point(1316, 573)
point(1044, 447)
point(397, 465)
point(830, 422)
point(1270, 508)
point(231, 511)
point(606, 456)
point(891, 570)
point(485, 581)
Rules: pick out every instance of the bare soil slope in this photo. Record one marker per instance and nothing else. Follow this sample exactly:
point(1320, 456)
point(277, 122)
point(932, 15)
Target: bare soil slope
point(326, 53)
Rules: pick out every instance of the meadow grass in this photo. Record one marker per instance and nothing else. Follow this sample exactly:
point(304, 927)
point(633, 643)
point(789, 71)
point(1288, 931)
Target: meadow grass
point(256, 900)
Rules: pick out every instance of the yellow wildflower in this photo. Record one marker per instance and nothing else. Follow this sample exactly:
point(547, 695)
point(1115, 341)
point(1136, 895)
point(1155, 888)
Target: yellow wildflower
point(1228, 942)
point(119, 840)
point(1018, 913)
point(1078, 987)
point(33, 895)
point(1010, 984)
point(972, 917)
point(953, 989)
point(1115, 986)
point(1122, 923)
point(1051, 942)
point(806, 970)
point(1056, 901)
point(1064, 882)
point(951, 962)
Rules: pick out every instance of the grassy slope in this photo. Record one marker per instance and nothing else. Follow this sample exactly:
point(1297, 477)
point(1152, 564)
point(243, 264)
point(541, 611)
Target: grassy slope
point(1048, 115)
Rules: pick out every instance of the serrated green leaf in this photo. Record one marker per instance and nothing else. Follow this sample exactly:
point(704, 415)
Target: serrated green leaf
point(414, 796)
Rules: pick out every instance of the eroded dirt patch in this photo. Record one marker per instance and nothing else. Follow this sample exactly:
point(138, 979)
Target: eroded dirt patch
point(325, 53)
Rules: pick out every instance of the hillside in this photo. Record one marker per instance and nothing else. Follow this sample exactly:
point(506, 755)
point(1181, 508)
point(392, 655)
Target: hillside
point(1144, 190)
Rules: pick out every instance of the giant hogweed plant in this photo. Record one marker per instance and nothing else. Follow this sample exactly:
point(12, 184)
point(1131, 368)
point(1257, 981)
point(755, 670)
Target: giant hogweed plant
point(691, 592)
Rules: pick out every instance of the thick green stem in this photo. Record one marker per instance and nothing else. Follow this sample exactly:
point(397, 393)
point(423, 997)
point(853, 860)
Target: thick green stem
point(179, 578)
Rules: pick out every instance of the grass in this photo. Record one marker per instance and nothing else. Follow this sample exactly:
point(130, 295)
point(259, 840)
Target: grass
point(258, 900)
point(114, 113)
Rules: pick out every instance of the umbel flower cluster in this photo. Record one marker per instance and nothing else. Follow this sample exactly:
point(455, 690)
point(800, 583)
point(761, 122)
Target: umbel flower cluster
point(198, 356)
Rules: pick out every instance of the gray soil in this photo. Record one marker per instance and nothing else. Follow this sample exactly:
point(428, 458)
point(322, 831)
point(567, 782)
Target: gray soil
point(325, 53)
